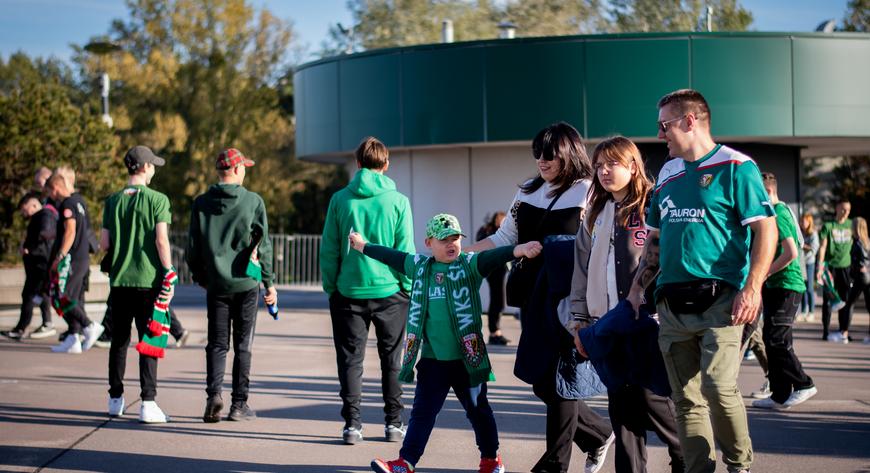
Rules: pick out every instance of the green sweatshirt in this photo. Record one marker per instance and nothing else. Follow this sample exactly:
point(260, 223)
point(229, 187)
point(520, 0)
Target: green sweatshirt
point(221, 224)
point(370, 205)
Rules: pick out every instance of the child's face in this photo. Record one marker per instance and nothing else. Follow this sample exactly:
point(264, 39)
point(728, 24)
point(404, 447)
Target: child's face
point(613, 175)
point(29, 208)
point(446, 250)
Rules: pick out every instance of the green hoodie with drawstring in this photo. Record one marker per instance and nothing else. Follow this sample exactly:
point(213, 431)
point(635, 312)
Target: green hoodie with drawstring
point(370, 205)
point(222, 222)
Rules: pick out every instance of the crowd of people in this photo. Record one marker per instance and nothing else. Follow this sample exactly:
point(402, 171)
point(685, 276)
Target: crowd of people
point(647, 290)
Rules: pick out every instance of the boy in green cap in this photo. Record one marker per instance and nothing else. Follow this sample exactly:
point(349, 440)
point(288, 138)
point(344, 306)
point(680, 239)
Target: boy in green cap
point(445, 317)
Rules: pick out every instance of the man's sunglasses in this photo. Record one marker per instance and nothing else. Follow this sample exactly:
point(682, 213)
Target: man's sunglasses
point(663, 125)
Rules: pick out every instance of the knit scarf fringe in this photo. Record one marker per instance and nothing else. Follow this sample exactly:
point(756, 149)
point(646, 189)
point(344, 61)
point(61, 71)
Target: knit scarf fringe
point(154, 341)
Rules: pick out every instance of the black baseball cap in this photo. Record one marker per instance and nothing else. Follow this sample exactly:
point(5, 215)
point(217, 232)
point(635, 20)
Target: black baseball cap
point(139, 155)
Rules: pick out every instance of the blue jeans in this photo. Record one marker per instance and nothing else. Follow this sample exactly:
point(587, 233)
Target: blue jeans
point(808, 302)
point(434, 380)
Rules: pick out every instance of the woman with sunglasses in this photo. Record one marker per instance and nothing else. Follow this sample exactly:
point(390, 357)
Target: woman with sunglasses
point(552, 203)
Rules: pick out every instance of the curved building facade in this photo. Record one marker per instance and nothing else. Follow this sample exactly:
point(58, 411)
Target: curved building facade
point(459, 117)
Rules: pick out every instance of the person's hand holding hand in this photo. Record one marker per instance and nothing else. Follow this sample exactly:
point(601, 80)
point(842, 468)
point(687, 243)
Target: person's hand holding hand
point(356, 241)
point(529, 249)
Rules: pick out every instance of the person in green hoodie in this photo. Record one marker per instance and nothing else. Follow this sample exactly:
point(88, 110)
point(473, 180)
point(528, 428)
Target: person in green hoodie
point(363, 291)
point(225, 225)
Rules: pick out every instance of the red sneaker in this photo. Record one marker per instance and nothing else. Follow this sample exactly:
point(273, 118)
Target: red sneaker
point(398, 465)
point(491, 465)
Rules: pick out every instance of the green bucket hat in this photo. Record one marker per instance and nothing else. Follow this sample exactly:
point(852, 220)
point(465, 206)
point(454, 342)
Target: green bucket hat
point(442, 226)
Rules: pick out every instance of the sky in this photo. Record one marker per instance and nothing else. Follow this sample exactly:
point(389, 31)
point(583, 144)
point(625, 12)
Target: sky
point(47, 27)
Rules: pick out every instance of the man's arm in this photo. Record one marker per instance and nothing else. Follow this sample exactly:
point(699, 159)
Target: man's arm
point(748, 299)
point(823, 248)
point(66, 242)
point(164, 252)
point(330, 250)
point(789, 253)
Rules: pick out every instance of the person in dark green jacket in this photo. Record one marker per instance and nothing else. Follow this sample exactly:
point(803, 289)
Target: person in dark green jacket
point(225, 225)
point(363, 291)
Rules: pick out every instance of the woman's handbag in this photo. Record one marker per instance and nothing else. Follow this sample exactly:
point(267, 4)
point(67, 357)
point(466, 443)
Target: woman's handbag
point(522, 276)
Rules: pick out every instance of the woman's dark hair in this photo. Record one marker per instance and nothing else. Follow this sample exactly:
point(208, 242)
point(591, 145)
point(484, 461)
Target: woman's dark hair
point(563, 142)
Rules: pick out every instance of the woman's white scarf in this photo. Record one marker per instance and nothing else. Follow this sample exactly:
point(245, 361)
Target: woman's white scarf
point(601, 292)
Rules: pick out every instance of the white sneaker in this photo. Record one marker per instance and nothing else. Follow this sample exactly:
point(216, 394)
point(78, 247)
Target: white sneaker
point(150, 413)
point(811, 317)
point(595, 459)
point(92, 333)
point(43, 331)
point(836, 337)
point(769, 404)
point(116, 406)
point(762, 393)
point(72, 344)
point(866, 340)
point(800, 396)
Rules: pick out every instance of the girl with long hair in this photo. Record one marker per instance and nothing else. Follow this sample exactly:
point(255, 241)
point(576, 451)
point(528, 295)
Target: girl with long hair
point(810, 249)
point(608, 250)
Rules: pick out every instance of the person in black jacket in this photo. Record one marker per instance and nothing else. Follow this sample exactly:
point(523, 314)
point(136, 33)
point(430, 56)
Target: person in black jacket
point(860, 270)
point(35, 252)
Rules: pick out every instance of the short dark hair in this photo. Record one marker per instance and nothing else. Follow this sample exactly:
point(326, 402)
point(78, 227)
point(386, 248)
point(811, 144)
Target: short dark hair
point(371, 154)
point(28, 197)
point(688, 101)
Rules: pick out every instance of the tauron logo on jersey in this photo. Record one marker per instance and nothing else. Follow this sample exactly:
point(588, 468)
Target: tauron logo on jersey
point(674, 214)
point(705, 180)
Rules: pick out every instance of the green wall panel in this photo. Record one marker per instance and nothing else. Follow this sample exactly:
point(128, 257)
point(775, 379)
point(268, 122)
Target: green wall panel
point(626, 78)
point(317, 101)
point(747, 82)
point(442, 96)
point(832, 86)
point(524, 93)
point(369, 95)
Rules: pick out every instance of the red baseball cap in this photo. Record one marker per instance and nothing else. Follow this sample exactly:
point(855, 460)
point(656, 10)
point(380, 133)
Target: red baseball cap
point(230, 158)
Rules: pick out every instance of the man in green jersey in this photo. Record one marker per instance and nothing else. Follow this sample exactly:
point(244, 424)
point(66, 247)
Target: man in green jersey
point(835, 256)
point(785, 285)
point(704, 203)
point(136, 236)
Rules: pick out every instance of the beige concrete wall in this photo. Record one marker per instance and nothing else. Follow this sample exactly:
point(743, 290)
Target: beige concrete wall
point(12, 281)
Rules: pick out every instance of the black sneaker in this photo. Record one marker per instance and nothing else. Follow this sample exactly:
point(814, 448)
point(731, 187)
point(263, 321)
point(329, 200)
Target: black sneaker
point(13, 334)
point(498, 340)
point(213, 408)
point(242, 411)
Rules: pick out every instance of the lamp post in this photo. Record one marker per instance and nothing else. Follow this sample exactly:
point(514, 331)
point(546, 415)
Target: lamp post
point(507, 30)
point(102, 48)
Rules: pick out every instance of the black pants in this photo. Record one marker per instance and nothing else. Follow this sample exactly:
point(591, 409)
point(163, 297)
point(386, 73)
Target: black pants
point(175, 327)
point(858, 288)
point(76, 285)
point(634, 411)
point(568, 420)
point(35, 277)
point(237, 314)
point(130, 304)
point(351, 319)
point(495, 281)
point(786, 373)
point(434, 380)
point(842, 283)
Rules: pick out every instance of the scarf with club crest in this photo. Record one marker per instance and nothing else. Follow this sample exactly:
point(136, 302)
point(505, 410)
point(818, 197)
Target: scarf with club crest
point(61, 302)
point(154, 340)
point(463, 302)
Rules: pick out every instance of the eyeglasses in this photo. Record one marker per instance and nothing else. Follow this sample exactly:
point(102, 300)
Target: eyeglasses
point(663, 125)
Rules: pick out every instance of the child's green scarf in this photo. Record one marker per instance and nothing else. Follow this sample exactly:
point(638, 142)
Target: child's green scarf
point(154, 340)
point(463, 299)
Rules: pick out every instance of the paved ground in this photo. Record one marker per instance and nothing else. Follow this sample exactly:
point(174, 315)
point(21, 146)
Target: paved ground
point(52, 408)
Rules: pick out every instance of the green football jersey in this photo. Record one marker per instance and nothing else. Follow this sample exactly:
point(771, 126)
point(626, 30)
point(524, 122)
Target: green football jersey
point(703, 209)
point(839, 250)
point(790, 277)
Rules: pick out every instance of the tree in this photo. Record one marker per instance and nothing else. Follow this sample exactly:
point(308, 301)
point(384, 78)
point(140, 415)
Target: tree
point(857, 16)
point(47, 122)
point(195, 77)
point(556, 17)
point(677, 15)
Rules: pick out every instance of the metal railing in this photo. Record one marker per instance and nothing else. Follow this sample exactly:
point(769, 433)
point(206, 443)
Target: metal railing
point(295, 258)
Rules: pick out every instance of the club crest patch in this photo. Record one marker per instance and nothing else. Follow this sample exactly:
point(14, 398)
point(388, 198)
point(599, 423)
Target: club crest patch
point(472, 345)
point(411, 345)
point(705, 180)
point(439, 278)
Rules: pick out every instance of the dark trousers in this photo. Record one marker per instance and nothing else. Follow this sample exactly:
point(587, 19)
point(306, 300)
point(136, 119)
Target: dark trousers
point(130, 304)
point(634, 411)
point(175, 327)
point(435, 378)
point(351, 319)
point(786, 373)
point(842, 283)
point(237, 314)
point(76, 285)
point(858, 288)
point(34, 285)
point(495, 281)
point(568, 420)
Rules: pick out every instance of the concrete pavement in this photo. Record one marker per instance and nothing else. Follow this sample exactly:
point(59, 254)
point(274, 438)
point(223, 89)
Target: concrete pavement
point(52, 407)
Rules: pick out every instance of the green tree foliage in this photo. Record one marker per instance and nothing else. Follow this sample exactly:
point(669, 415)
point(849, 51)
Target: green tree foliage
point(857, 16)
point(44, 121)
point(677, 15)
point(555, 17)
point(852, 182)
point(194, 77)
